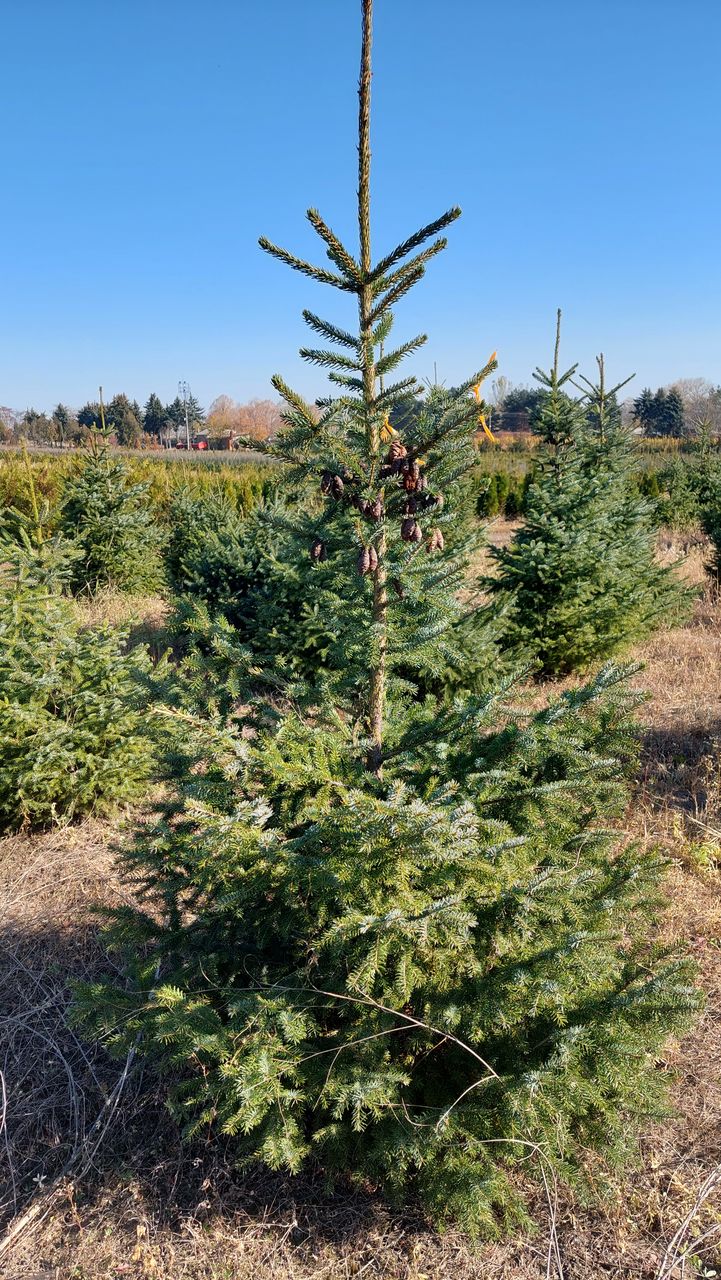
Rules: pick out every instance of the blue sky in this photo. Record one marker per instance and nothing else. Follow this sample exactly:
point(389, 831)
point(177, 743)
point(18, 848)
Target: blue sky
point(145, 144)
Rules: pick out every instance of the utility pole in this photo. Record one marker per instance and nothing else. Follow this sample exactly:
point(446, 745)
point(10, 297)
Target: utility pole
point(184, 391)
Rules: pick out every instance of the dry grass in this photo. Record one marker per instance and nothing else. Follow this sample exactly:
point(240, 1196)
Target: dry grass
point(143, 616)
point(122, 1198)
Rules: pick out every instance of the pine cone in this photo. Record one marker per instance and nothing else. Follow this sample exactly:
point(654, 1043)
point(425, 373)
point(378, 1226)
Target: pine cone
point(364, 562)
point(337, 487)
point(372, 559)
point(435, 542)
point(375, 509)
point(326, 481)
point(411, 530)
point(318, 551)
point(396, 451)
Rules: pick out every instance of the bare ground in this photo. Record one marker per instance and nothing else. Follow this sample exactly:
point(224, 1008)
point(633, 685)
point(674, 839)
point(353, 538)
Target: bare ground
point(95, 1183)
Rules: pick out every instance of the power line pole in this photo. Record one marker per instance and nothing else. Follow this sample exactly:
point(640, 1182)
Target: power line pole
point(184, 391)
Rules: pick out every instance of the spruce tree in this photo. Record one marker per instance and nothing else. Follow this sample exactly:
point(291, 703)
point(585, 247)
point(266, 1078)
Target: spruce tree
point(579, 581)
point(73, 732)
point(155, 417)
point(109, 522)
point(380, 931)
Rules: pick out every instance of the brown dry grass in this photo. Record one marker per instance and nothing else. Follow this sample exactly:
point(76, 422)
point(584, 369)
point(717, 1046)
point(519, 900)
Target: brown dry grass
point(125, 1199)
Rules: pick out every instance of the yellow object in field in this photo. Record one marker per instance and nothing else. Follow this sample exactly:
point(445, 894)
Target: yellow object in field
point(477, 387)
point(387, 431)
point(486, 428)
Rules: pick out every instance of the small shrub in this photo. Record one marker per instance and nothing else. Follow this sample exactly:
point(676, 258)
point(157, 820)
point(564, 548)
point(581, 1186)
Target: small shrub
point(110, 522)
point(580, 580)
point(71, 730)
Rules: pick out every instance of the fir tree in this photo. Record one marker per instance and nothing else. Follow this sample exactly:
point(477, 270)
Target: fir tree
point(643, 411)
point(108, 520)
point(380, 930)
point(124, 419)
point(155, 417)
point(72, 725)
point(579, 580)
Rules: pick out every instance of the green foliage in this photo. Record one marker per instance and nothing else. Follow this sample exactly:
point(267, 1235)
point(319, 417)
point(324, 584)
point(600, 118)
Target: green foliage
point(125, 420)
point(241, 485)
point(72, 735)
point(419, 982)
point(377, 925)
point(712, 521)
point(155, 418)
point(109, 520)
point(289, 610)
point(688, 489)
point(580, 580)
point(661, 414)
point(501, 492)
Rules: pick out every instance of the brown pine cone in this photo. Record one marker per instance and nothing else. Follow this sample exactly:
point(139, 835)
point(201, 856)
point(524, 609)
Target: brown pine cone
point(337, 487)
point(372, 559)
point(435, 542)
point(407, 527)
point(417, 533)
point(326, 481)
point(375, 509)
point(364, 562)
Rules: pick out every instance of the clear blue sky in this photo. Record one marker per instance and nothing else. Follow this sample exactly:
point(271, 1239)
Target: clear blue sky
point(145, 145)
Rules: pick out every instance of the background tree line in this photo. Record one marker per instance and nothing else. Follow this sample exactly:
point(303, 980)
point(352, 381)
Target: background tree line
point(133, 426)
point(681, 408)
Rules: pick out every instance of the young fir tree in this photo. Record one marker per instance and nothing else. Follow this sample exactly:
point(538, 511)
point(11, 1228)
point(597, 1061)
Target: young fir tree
point(72, 725)
point(109, 521)
point(385, 933)
point(579, 580)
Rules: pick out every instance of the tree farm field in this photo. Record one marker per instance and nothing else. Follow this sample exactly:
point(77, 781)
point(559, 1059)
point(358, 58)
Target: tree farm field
point(97, 1179)
point(360, 748)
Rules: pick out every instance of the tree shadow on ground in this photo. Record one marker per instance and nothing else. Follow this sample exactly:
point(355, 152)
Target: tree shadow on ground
point(680, 768)
point(57, 1086)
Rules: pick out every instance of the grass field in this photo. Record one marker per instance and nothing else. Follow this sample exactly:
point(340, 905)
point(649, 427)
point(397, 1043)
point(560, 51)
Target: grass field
point(95, 1182)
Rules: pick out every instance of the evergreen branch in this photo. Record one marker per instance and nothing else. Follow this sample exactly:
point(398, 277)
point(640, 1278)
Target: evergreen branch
point(336, 250)
point(306, 268)
point(382, 329)
point(387, 363)
point(395, 294)
point(341, 380)
point(397, 389)
point(425, 233)
point(328, 359)
point(547, 380)
point(293, 398)
point(593, 387)
point(330, 331)
point(387, 282)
